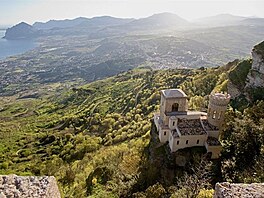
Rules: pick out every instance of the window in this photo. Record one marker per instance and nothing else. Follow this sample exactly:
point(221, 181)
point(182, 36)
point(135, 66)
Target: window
point(197, 142)
point(220, 114)
point(175, 107)
point(178, 142)
point(187, 141)
point(214, 114)
point(209, 112)
point(165, 133)
point(173, 123)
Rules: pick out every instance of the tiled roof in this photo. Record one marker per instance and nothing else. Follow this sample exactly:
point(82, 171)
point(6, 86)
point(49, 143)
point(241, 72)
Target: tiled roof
point(208, 126)
point(190, 127)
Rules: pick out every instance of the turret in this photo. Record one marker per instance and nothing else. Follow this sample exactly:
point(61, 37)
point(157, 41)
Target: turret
point(172, 101)
point(217, 106)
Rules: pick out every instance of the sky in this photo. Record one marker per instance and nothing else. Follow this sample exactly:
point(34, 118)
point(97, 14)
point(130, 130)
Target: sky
point(30, 11)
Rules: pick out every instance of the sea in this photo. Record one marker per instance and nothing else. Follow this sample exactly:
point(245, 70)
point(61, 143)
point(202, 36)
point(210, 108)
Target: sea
point(14, 47)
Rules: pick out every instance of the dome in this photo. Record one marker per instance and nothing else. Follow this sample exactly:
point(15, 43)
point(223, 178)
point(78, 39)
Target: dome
point(173, 93)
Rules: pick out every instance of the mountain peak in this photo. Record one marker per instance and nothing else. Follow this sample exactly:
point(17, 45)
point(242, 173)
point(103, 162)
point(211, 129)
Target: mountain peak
point(167, 16)
point(162, 20)
point(21, 31)
point(23, 24)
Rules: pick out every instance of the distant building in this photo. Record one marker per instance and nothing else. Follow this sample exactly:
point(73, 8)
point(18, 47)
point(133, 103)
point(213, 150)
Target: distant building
point(183, 128)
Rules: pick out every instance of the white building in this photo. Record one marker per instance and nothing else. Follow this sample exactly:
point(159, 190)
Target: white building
point(183, 128)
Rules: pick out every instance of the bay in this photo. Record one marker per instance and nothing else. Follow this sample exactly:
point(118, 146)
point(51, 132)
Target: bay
point(14, 47)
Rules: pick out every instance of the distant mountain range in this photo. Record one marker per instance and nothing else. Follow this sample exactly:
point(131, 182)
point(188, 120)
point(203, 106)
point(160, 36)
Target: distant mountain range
point(103, 21)
point(105, 26)
point(220, 20)
point(228, 20)
point(21, 31)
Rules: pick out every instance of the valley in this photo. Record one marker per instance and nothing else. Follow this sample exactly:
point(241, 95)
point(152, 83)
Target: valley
point(84, 50)
point(97, 139)
point(80, 105)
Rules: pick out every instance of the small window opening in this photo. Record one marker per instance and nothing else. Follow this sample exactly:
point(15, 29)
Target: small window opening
point(187, 141)
point(165, 133)
point(209, 112)
point(173, 123)
point(214, 114)
point(175, 107)
point(197, 142)
point(220, 114)
point(178, 142)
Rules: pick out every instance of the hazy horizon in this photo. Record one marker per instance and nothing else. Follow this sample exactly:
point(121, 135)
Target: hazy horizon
point(31, 11)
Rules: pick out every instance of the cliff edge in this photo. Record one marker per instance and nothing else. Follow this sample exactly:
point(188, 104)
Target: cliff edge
point(246, 79)
point(256, 74)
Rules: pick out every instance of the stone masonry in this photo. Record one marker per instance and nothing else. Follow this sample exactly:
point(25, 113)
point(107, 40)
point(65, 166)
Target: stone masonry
point(13, 186)
point(229, 190)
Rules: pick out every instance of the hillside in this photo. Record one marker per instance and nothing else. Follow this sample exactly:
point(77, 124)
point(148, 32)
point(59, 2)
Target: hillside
point(60, 59)
point(247, 78)
point(96, 139)
point(83, 50)
point(22, 31)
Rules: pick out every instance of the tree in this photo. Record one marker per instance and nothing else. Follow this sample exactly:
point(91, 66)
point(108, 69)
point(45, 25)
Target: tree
point(190, 185)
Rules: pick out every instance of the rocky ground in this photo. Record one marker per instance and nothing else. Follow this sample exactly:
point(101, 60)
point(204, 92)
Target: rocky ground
point(13, 186)
point(227, 190)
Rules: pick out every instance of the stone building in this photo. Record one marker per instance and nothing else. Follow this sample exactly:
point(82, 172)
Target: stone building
point(183, 128)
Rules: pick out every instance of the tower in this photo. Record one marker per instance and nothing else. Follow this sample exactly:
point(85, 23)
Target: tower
point(172, 102)
point(217, 107)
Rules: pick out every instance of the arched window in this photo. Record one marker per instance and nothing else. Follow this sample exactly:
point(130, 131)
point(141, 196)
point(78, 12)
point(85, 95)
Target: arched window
point(175, 107)
point(220, 114)
point(214, 114)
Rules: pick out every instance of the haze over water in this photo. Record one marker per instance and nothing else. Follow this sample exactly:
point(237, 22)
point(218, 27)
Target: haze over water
point(14, 47)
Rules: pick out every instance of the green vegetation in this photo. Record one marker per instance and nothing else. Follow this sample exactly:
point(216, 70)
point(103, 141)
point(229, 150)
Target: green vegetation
point(239, 73)
point(96, 139)
point(80, 56)
point(260, 48)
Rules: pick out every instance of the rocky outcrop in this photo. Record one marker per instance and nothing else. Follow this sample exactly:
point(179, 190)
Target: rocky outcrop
point(233, 90)
point(246, 79)
point(21, 31)
point(12, 186)
point(228, 190)
point(256, 74)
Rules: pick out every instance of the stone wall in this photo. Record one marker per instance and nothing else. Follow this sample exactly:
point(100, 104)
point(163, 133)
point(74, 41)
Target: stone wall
point(13, 186)
point(229, 190)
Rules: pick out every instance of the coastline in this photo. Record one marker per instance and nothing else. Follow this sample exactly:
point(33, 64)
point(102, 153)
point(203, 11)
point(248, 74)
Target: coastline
point(14, 47)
